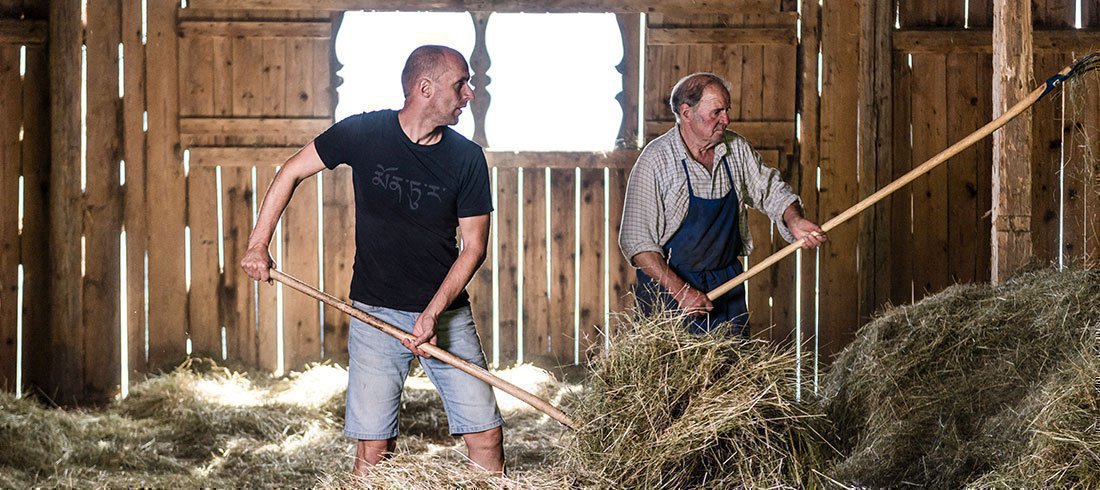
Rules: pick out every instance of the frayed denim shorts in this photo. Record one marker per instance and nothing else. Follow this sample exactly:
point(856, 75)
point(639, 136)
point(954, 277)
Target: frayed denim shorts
point(378, 366)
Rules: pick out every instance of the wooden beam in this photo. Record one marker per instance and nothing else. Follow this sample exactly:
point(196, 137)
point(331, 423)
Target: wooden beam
point(165, 187)
point(561, 159)
point(762, 134)
point(23, 31)
point(102, 205)
point(66, 379)
point(271, 156)
point(723, 35)
point(1012, 69)
point(299, 130)
point(240, 156)
point(257, 29)
point(981, 40)
point(561, 6)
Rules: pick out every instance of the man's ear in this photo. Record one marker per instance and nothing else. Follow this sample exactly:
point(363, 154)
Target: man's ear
point(424, 87)
point(685, 110)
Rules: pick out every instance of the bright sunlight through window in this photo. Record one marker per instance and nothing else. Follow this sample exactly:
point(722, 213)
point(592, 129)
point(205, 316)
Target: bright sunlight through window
point(552, 84)
point(373, 47)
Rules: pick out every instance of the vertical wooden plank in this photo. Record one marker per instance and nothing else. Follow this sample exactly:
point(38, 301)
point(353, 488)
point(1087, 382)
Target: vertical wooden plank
point(536, 306)
point(222, 90)
point(267, 303)
point(1090, 174)
point(11, 104)
point(901, 207)
point(591, 260)
point(964, 216)
point(1075, 127)
point(167, 293)
point(507, 210)
point(299, 65)
point(759, 288)
point(273, 76)
point(930, 211)
point(324, 91)
point(1046, 155)
point(204, 327)
point(103, 212)
point(301, 314)
point(808, 155)
point(985, 167)
point(339, 254)
point(480, 288)
point(780, 77)
point(1012, 65)
point(36, 200)
point(66, 205)
point(236, 309)
point(839, 314)
point(134, 206)
point(197, 80)
point(247, 55)
point(620, 272)
point(563, 256)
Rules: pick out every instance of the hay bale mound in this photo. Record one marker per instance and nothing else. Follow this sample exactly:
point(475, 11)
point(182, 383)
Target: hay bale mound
point(668, 409)
point(198, 426)
point(974, 386)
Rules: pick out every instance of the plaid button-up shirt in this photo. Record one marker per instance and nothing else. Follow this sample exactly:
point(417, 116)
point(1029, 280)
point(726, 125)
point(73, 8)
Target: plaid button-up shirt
point(657, 196)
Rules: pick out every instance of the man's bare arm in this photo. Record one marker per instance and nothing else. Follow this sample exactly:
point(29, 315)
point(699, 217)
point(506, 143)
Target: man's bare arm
point(301, 166)
point(691, 300)
point(475, 238)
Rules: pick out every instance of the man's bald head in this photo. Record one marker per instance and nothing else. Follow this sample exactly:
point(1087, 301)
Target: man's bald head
point(428, 62)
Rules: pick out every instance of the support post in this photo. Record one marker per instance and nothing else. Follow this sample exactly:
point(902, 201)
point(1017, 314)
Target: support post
point(1012, 68)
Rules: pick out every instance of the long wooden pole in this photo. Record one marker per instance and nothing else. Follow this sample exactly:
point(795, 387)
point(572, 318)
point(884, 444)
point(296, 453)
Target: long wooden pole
point(869, 201)
point(436, 352)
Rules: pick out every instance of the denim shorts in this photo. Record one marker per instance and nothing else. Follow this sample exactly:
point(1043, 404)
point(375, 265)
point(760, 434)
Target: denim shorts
point(378, 365)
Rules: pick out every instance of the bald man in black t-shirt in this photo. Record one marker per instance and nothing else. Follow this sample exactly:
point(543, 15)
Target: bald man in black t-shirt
point(415, 181)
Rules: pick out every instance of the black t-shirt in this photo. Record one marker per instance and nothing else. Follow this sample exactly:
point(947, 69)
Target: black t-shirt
point(408, 199)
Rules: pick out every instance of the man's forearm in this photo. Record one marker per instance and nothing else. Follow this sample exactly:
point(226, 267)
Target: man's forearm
point(657, 268)
point(458, 276)
point(274, 203)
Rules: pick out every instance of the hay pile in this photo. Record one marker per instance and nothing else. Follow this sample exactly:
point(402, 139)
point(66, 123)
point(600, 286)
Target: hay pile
point(202, 425)
point(668, 409)
point(975, 386)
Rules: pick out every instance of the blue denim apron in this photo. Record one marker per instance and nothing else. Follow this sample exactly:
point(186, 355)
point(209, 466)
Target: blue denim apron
point(703, 251)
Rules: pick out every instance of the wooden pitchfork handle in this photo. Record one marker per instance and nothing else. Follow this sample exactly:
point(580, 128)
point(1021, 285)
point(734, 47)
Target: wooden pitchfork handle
point(436, 352)
point(924, 168)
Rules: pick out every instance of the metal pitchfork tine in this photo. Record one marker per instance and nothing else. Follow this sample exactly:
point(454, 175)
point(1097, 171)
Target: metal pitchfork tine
point(1083, 65)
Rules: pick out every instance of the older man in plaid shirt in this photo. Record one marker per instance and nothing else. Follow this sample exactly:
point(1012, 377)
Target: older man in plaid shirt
point(684, 225)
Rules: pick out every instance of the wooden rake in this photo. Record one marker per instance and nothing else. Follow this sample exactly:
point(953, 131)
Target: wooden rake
point(436, 352)
point(1085, 64)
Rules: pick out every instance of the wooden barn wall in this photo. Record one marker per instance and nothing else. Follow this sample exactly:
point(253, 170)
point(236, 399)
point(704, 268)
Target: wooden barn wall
point(942, 65)
point(24, 174)
point(253, 88)
point(119, 243)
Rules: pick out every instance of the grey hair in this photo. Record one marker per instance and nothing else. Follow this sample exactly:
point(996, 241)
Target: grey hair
point(426, 61)
point(689, 90)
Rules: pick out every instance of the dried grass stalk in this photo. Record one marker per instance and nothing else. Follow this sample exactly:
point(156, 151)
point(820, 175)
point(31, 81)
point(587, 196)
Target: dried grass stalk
point(976, 385)
point(668, 409)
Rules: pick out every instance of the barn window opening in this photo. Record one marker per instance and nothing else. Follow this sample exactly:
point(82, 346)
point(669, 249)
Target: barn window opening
point(549, 91)
point(545, 91)
point(371, 77)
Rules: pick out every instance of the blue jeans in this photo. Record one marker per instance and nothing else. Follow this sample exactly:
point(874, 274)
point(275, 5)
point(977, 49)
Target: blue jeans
point(379, 364)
